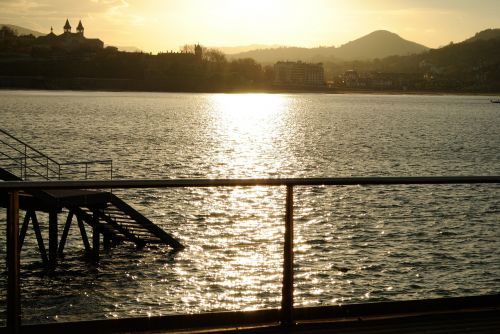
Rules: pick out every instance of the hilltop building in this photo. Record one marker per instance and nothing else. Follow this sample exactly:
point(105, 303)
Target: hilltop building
point(299, 74)
point(69, 40)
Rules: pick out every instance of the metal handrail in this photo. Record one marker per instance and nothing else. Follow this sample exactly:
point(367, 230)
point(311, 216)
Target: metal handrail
point(92, 162)
point(287, 302)
point(49, 172)
point(203, 183)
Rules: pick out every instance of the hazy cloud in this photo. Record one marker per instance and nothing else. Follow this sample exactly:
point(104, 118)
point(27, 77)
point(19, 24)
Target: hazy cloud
point(61, 8)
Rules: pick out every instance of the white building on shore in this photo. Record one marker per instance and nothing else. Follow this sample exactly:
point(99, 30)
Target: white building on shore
point(299, 74)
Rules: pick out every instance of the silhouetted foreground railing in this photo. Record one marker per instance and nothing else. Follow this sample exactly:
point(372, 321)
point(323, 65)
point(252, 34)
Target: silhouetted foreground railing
point(287, 307)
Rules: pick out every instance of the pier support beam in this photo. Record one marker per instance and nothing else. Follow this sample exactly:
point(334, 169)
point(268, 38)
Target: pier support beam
point(39, 239)
point(65, 233)
point(31, 215)
point(13, 265)
point(85, 239)
point(96, 237)
point(24, 229)
point(53, 239)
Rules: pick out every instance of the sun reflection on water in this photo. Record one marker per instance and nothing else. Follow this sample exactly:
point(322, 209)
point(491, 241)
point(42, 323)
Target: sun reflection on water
point(249, 127)
point(242, 250)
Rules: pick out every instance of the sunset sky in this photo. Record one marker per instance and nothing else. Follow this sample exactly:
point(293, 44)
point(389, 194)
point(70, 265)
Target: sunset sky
point(162, 25)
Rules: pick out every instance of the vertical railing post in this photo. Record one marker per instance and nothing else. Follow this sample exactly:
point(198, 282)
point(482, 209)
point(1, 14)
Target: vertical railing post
point(13, 265)
point(287, 292)
point(47, 173)
point(86, 170)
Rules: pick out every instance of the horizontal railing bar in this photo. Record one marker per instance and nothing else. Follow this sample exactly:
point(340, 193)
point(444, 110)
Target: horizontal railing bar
point(94, 170)
point(181, 183)
point(33, 172)
point(90, 171)
point(40, 165)
point(95, 162)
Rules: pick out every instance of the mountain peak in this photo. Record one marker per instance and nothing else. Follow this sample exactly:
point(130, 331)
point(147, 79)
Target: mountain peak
point(379, 44)
point(382, 33)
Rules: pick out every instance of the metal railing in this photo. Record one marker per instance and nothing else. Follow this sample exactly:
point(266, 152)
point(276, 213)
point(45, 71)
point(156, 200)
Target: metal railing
point(287, 301)
point(28, 163)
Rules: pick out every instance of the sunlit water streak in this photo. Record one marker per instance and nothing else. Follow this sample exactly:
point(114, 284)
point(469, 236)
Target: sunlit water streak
point(353, 244)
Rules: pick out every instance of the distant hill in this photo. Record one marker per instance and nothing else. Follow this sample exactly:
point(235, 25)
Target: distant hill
point(23, 31)
point(485, 35)
point(271, 56)
point(378, 44)
point(473, 64)
point(229, 50)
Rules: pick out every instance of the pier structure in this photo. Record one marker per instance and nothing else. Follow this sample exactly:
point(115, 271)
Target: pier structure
point(111, 219)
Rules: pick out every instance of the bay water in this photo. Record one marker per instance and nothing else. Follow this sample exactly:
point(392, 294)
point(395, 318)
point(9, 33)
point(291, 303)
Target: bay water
point(353, 244)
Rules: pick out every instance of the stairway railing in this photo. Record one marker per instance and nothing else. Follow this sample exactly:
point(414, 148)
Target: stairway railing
point(28, 163)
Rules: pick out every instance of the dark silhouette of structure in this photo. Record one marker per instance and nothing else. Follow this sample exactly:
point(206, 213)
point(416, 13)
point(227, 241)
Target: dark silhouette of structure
point(183, 55)
point(69, 40)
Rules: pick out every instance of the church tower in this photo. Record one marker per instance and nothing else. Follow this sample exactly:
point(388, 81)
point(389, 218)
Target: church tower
point(80, 28)
point(67, 26)
point(198, 51)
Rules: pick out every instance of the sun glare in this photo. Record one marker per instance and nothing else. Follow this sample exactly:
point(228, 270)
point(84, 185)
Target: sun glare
point(247, 128)
point(248, 111)
point(253, 8)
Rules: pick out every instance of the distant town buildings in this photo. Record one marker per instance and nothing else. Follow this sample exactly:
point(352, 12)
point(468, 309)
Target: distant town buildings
point(69, 40)
point(379, 80)
point(299, 74)
point(183, 55)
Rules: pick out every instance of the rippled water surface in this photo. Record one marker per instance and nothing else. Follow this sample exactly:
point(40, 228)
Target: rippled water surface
point(353, 244)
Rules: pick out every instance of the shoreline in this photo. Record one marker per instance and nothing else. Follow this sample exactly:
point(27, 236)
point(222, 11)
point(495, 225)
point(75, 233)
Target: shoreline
point(291, 92)
point(145, 86)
